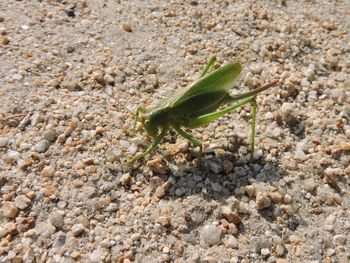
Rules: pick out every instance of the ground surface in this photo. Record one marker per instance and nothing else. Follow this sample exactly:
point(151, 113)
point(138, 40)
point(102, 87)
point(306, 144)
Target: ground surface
point(71, 73)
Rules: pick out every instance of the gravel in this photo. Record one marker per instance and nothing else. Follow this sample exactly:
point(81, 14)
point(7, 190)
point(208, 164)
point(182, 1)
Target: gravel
point(72, 73)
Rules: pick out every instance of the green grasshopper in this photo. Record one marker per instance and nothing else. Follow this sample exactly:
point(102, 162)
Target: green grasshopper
point(197, 105)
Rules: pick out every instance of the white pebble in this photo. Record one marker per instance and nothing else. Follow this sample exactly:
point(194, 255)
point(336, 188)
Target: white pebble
point(211, 235)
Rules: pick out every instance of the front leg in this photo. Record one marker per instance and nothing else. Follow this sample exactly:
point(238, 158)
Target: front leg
point(153, 146)
point(191, 138)
point(137, 115)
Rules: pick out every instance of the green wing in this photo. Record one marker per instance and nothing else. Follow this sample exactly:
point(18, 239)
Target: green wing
point(218, 80)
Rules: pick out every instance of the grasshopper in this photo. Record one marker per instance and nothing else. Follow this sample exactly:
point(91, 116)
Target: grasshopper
point(198, 105)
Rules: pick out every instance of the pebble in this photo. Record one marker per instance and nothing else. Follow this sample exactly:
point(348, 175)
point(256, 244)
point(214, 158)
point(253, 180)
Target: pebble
point(262, 201)
point(36, 119)
point(3, 232)
point(125, 179)
point(265, 252)
point(48, 171)
point(56, 219)
point(3, 141)
point(214, 167)
point(164, 221)
point(279, 250)
point(257, 243)
point(160, 192)
point(231, 216)
point(211, 235)
point(309, 184)
point(22, 202)
point(11, 156)
point(135, 237)
point(276, 197)
point(96, 256)
point(287, 199)
point(300, 155)
point(158, 166)
point(50, 135)
point(77, 229)
point(9, 210)
point(330, 175)
point(339, 240)
point(112, 207)
point(232, 242)
point(216, 187)
point(250, 190)
point(17, 77)
point(126, 27)
point(42, 146)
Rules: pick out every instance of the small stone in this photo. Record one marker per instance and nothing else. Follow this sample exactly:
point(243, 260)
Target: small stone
point(250, 190)
point(330, 252)
point(232, 242)
point(211, 235)
point(179, 191)
point(112, 207)
point(183, 146)
point(330, 175)
point(3, 141)
point(276, 197)
point(164, 221)
point(309, 184)
point(257, 243)
point(126, 27)
point(70, 49)
point(22, 202)
point(75, 255)
point(111, 156)
point(216, 187)
point(11, 156)
point(287, 199)
point(300, 155)
point(262, 201)
point(231, 216)
point(77, 229)
point(3, 232)
point(269, 115)
point(265, 252)
point(166, 249)
point(214, 167)
point(56, 219)
point(125, 179)
point(50, 135)
point(158, 165)
point(258, 154)
point(4, 41)
point(42, 146)
point(228, 166)
point(9, 210)
point(135, 236)
point(17, 77)
point(36, 119)
point(132, 149)
point(48, 171)
point(339, 240)
point(160, 192)
point(96, 256)
point(279, 250)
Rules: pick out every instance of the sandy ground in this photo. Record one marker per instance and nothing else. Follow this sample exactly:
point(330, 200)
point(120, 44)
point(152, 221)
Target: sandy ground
point(72, 74)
